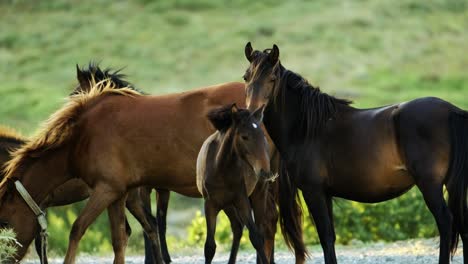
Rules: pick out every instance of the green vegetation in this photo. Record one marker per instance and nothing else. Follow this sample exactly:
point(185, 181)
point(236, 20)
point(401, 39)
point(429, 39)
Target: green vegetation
point(8, 245)
point(373, 52)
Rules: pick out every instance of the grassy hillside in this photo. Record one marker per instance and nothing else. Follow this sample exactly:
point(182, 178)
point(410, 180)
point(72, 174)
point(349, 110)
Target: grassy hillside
point(373, 52)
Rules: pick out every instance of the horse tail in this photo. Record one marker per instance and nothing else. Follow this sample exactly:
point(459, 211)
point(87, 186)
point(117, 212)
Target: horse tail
point(457, 181)
point(290, 214)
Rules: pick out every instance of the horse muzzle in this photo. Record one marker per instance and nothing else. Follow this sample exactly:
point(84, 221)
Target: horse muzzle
point(268, 176)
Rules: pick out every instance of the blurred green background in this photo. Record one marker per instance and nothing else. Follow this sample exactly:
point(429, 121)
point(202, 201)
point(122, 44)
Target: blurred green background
point(373, 52)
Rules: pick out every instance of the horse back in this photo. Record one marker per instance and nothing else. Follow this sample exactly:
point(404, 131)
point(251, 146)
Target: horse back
point(156, 138)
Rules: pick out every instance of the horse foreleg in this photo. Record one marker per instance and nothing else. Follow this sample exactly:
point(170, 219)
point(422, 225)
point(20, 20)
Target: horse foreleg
point(465, 248)
point(101, 198)
point(318, 204)
point(162, 198)
point(236, 227)
point(116, 212)
point(266, 216)
point(211, 212)
point(41, 250)
point(245, 213)
point(135, 206)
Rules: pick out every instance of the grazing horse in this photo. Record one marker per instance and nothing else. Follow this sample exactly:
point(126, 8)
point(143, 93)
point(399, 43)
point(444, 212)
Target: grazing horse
point(116, 140)
point(72, 191)
point(229, 165)
point(329, 148)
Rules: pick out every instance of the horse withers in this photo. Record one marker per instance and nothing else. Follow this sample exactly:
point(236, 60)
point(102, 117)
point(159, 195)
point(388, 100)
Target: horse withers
point(230, 163)
point(331, 149)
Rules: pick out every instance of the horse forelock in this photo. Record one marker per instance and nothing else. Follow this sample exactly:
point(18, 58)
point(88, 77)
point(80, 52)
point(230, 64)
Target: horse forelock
point(60, 127)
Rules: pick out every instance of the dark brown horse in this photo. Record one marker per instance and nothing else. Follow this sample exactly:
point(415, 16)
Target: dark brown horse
point(330, 148)
point(107, 138)
point(230, 163)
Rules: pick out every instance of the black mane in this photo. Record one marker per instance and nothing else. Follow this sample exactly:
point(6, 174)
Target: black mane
point(315, 107)
point(93, 71)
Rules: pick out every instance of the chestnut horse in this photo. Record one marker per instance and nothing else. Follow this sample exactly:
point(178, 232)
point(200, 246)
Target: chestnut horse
point(115, 140)
point(230, 163)
point(368, 155)
point(72, 191)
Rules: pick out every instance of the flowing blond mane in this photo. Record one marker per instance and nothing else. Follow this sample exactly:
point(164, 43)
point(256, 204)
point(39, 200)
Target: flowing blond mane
point(8, 132)
point(59, 128)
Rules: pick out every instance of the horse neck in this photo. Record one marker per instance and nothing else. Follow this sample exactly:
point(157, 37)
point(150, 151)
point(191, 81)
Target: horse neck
point(44, 174)
point(228, 160)
point(279, 118)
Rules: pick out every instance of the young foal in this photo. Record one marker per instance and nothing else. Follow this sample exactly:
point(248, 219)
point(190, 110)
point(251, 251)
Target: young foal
point(228, 166)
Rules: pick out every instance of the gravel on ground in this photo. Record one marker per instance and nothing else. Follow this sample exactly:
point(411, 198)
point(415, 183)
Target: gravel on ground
point(418, 251)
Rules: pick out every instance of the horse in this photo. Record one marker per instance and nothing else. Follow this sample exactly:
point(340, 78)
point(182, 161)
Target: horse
point(76, 190)
point(106, 137)
point(331, 149)
point(84, 77)
point(230, 163)
point(71, 191)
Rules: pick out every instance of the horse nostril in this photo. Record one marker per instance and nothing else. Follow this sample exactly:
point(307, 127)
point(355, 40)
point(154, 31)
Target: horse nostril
point(264, 174)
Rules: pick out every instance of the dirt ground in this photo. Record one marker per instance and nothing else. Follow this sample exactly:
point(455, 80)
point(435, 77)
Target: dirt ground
point(421, 251)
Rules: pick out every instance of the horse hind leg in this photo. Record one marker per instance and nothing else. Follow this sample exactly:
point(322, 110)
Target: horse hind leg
point(433, 196)
point(145, 198)
point(136, 208)
point(162, 198)
point(236, 227)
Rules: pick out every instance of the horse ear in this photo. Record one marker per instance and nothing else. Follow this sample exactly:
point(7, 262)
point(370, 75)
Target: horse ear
point(258, 114)
point(274, 54)
point(248, 52)
point(82, 79)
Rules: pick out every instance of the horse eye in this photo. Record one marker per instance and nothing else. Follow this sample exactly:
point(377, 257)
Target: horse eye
point(246, 138)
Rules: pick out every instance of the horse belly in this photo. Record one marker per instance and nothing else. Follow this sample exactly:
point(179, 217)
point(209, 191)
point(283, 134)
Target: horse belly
point(379, 184)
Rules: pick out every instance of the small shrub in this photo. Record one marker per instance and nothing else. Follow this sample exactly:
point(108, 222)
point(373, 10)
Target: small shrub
point(8, 245)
